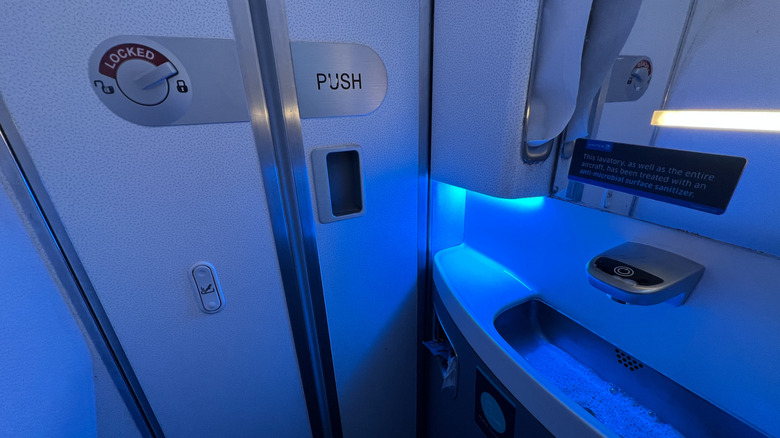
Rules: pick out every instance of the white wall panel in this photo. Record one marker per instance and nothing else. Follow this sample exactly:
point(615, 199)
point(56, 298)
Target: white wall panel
point(369, 263)
point(727, 63)
point(142, 205)
point(47, 381)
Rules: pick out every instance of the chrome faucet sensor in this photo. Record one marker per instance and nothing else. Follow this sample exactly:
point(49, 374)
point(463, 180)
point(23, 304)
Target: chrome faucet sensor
point(633, 273)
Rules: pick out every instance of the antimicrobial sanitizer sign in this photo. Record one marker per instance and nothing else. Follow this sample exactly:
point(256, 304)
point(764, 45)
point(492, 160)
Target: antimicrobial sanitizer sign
point(695, 180)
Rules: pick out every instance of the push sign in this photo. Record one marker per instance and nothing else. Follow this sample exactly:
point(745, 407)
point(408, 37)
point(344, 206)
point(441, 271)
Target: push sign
point(336, 79)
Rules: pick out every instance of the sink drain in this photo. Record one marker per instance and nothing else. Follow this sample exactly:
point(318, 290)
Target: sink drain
point(627, 361)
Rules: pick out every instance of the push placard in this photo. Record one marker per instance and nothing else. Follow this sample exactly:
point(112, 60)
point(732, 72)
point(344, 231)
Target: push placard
point(695, 180)
point(337, 79)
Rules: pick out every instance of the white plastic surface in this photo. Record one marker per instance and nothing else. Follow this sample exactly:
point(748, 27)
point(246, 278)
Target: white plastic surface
point(728, 64)
point(475, 290)
point(553, 94)
point(207, 288)
point(46, 384)
point(656, 35)
point(142, 204)
point(722, 344)
point(142, 73)
point(481, 68)
point(369, 263)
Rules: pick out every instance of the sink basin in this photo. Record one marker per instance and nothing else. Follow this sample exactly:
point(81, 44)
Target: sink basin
point(623, 393)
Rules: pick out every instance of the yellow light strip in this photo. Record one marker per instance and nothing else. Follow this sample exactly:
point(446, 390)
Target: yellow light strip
point(763, 121)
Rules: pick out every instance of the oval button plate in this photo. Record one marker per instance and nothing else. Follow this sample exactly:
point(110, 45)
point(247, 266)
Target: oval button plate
point(207, 287)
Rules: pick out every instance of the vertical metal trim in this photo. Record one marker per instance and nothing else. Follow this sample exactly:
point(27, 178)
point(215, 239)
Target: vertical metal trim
point(534, 154)
point(424, 278)
point(597, 107)
point(17, 166)
point(266, 63)
point(675, 64)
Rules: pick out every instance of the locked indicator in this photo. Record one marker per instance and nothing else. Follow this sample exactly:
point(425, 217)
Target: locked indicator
point(182, 87)
point(140, 80)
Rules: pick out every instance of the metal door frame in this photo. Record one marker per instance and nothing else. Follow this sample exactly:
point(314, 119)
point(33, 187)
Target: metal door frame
point(424, 257)
point(262, 37)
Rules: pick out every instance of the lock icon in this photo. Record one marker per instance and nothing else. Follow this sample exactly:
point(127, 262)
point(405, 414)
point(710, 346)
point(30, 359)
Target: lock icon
point(107, 89)
point(181, 86)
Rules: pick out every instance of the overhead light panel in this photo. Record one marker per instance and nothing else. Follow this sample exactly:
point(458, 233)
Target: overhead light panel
point(760, 121)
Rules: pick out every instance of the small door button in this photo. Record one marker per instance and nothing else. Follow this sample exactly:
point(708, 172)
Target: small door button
point(207, 287)
point(211, 305)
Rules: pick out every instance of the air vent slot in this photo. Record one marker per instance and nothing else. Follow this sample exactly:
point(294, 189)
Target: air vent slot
point(627, 361)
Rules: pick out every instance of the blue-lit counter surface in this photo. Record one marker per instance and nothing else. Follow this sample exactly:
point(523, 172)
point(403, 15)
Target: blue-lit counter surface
point(572, 380)
point(722, 344)
point(475, 290)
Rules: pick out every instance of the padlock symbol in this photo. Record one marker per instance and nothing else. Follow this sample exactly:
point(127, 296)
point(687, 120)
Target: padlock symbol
point(181, 86)
point(107, 89)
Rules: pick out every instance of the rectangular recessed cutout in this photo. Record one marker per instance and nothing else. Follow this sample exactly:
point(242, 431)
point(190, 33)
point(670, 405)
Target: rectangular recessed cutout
point(344, 182)
point(338, 182)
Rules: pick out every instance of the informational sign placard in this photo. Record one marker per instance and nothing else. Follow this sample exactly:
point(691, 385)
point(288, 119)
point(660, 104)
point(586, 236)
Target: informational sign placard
point(695, 180)
point(337, 79)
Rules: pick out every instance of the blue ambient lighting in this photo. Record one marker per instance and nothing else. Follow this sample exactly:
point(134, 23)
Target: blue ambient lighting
point(508, 272)
point(484, 215)
point(521, 204)
point(448, 211)
point(448, 196)
point(617, 410)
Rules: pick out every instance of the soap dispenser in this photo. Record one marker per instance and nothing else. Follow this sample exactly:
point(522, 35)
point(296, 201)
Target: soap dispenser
point(634, 273)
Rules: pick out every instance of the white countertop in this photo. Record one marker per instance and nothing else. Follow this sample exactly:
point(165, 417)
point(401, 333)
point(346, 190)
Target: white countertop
point(475, 290)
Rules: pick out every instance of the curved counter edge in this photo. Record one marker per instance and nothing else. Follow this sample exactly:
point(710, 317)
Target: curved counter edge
point(475, 290)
